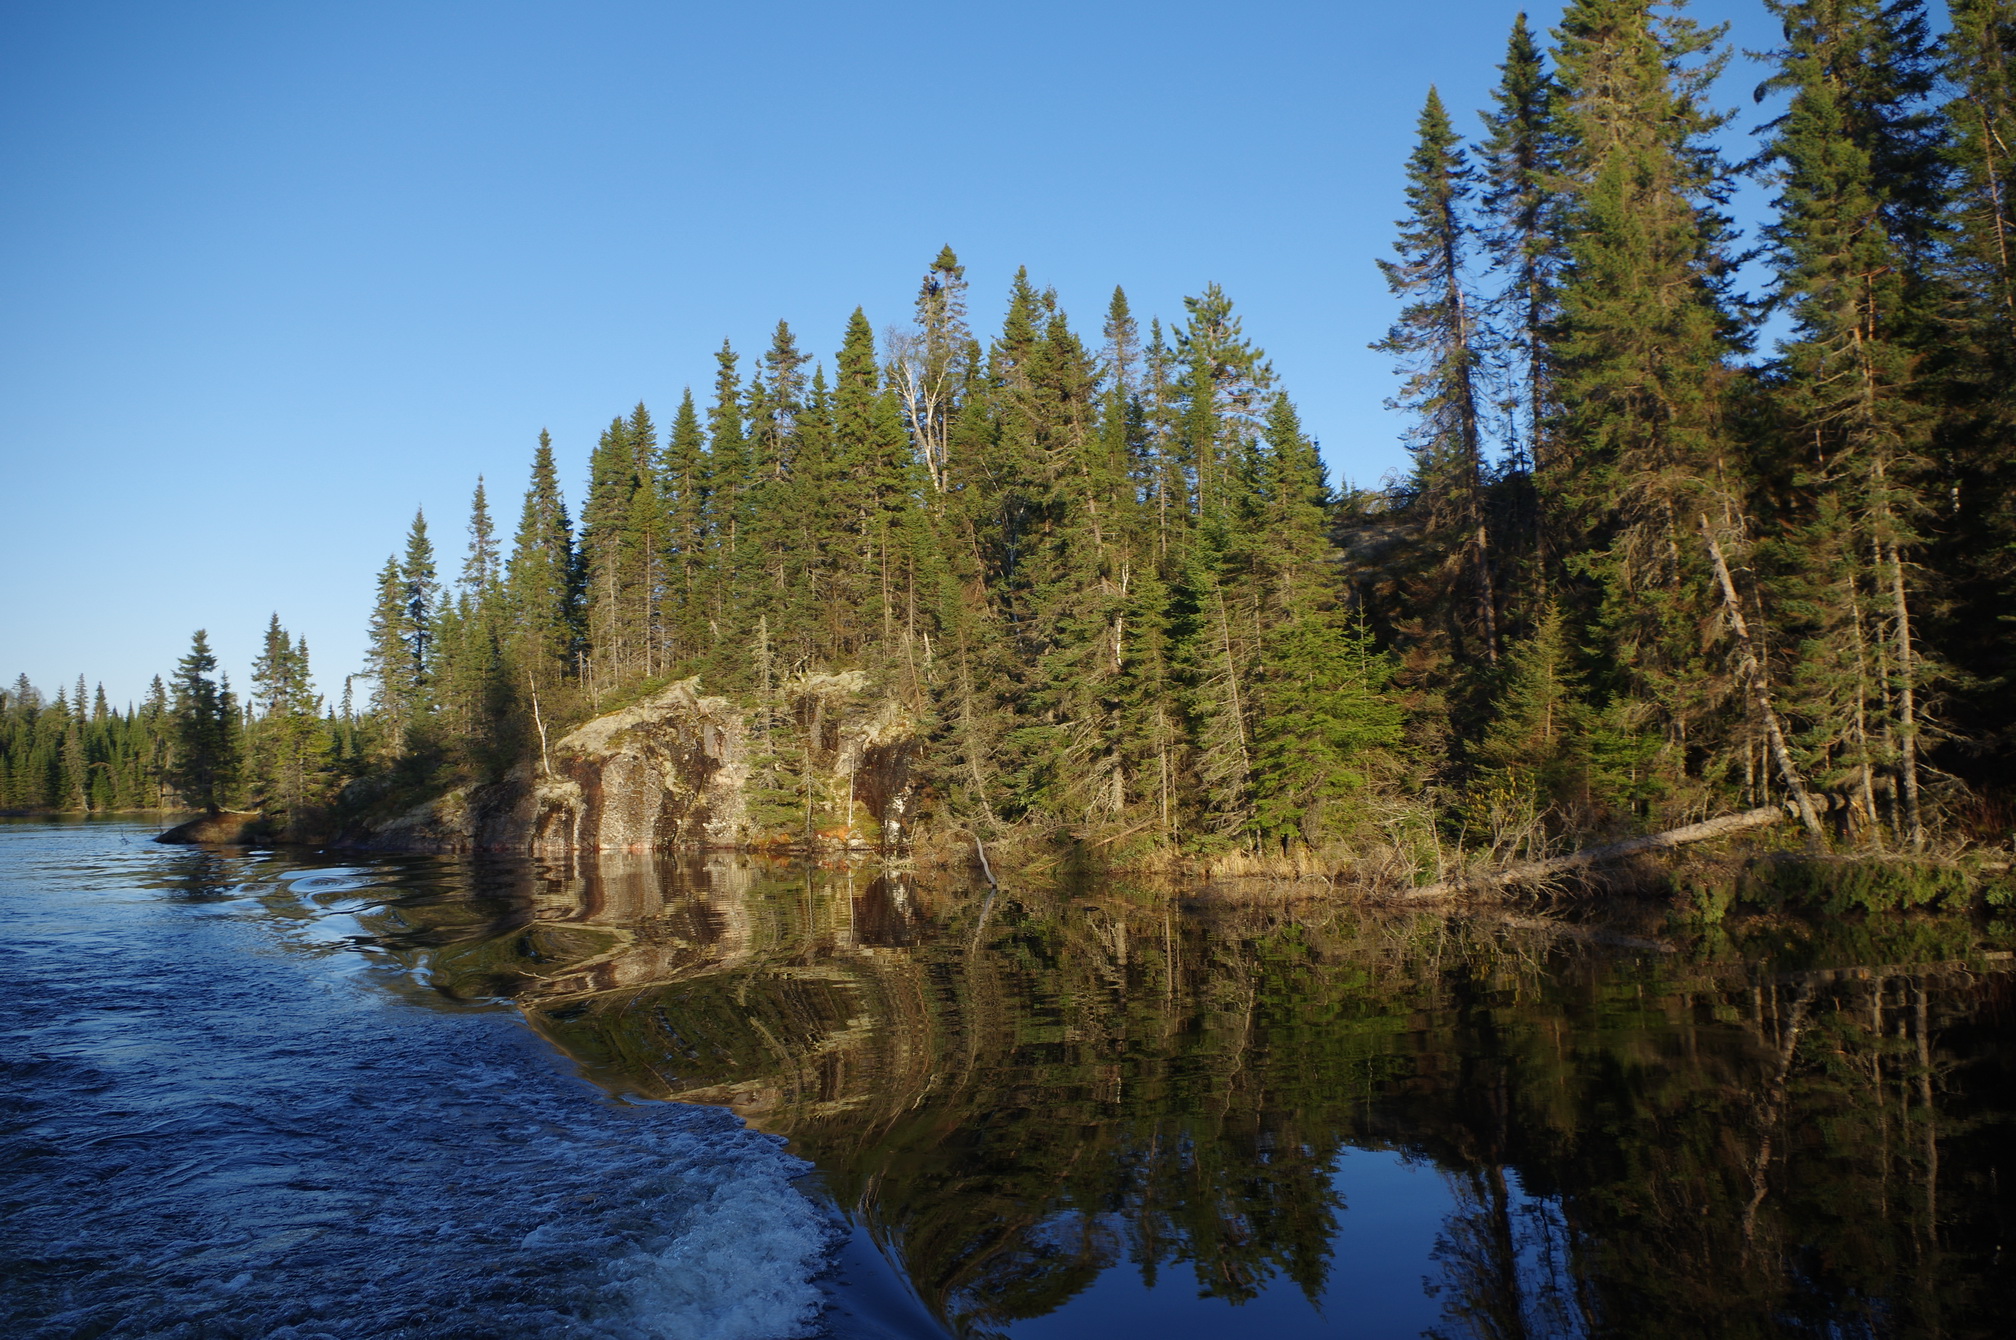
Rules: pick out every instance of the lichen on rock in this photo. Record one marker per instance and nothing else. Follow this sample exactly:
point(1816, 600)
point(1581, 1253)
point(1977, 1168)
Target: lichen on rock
point(675, 770)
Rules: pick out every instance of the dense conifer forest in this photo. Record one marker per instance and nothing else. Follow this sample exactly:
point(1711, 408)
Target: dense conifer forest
point(1667, 548)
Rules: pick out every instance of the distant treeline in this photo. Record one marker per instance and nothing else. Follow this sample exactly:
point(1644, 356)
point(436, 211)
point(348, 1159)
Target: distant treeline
point(190, 744)
point(1640, 571)
point(62, 754)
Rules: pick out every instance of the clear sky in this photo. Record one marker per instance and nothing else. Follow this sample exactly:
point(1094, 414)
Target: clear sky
point(273, 275)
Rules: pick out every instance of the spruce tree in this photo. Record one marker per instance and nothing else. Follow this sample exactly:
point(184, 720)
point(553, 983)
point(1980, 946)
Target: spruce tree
point(540, 586)
point(1435, 342)
point(608, 555)
point(873, 484)
point(1224, 384)
point(1533, 757)
point(1641, 357)
point(1323, 726)
point(1074, 574)
point(289, 744)
point(1980, 68)
point(474, 688)
point(480, 571)
point(1521, 157)
point(688, 485)
point(204, 730)
point(388, 660)
point(730, 504)
point(74, 763)
point(1975, 359)
point(420, 593)
point(1857, 166)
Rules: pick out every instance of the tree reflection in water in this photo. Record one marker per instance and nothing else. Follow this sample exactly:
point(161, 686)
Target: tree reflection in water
point(1786, 1129)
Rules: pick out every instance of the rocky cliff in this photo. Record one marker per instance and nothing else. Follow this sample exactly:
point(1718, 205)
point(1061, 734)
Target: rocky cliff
point(828, 767)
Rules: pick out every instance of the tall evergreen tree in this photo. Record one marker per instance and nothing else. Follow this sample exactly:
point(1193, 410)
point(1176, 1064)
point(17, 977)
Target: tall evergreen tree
point(1225, 384)
point(540, 583)
point(420, 595)
point(1976, 359)
point(1521, 158)
point(731, 506)
point(1651, 495)
point(1436, 344)
point(480, 570)
point(613, 586)
point(400, 647)
point(1980, 68)
point(1858, 168)
point(688, 486)
point(204, 722)
point(1323, 726)
point(288, 743)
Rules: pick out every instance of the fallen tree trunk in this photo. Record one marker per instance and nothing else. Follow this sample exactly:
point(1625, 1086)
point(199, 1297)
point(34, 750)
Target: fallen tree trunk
point(1527, 872)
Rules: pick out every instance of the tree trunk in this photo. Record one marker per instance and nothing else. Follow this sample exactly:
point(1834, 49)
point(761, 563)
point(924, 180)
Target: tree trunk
point(1527, 872)
point(1907, 694)
point(1760, 690)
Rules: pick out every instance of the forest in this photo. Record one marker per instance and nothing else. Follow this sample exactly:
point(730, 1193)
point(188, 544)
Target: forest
point(1668, 547)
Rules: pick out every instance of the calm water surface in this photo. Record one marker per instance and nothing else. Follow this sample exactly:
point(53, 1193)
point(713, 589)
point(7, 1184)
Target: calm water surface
point(288, 1094)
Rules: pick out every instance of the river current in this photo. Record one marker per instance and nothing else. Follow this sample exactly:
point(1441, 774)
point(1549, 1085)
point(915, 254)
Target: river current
point(293, 1094)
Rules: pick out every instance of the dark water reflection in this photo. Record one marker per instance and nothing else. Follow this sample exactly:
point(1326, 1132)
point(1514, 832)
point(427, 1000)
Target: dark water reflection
point(1097, 1111)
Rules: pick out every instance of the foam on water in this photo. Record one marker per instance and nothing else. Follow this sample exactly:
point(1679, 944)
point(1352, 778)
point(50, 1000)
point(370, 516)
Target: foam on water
point(213, 1124)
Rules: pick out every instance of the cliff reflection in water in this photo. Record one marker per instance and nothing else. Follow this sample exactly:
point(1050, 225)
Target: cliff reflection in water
point(1770, 1133)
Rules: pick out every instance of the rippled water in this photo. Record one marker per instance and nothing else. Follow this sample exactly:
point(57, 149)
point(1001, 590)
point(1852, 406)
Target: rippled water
point(276, 1094)
point(219, 1121)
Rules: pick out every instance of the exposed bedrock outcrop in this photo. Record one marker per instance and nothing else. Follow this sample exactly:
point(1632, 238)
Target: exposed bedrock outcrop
point(225, 828)
point(828, 767)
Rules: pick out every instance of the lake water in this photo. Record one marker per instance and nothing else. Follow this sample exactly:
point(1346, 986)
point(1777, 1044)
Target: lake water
point(298, 1095)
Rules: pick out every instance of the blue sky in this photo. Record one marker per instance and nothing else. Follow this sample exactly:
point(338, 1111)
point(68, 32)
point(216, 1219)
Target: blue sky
point(271, 276)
